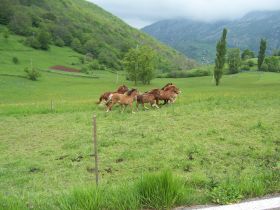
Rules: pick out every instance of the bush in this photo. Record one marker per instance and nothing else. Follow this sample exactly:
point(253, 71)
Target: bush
point(59, 42)
point(32, 42)
point(264, 67)
point(15, 60)
point(272, 63)
point(32, 74)
point(226, 193)
point(160, 191)
point(245, 67)
point(251, 63)
point(85, 70)
point(95, 65)
point(187, 73)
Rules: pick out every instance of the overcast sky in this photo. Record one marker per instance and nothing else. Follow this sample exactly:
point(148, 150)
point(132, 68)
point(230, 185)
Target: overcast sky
point(139, 13)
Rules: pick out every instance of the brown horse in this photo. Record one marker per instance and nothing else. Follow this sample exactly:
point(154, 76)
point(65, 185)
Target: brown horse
point(123, 99)
point(167, 94)
point(151, 97)
point(165, 86)
point(105, 96)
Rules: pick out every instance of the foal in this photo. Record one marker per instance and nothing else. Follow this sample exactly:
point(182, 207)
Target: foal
point(123, 99)
point(105, 96)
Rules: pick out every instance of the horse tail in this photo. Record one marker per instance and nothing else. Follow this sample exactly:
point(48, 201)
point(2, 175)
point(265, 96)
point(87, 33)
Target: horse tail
point(100, 99)
point(109, 99)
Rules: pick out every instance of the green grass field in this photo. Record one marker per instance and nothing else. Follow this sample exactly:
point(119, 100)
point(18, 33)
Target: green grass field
point(211, 138)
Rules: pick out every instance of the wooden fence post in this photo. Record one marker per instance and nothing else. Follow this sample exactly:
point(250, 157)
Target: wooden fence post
point(95, 149)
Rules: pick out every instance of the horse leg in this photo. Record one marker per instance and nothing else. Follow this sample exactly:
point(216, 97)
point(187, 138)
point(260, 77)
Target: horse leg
point(124, 107)
point(146, 107)
point(154, 105)
point(137, 106)
point(131, 107)
point(109, 107)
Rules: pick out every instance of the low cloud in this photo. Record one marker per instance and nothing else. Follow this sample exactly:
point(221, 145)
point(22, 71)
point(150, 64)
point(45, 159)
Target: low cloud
point(139, 13)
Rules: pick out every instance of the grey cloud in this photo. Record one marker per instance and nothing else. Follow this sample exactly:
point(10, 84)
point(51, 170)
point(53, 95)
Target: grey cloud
point(139, 13)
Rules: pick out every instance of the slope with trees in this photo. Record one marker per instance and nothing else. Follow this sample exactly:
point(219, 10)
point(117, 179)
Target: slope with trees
point(84, 27)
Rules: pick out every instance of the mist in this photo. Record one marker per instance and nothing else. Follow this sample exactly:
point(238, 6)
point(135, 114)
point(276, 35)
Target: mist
point(139, 13)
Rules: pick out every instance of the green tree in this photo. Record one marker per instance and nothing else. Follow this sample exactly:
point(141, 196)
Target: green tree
point(20, 23)
point(261, 55)
point(44, 39)
point(147, 64)
point(140, 64)
point(6, 10)
point(131, 64)
point(234, 60)
point(221, 50)
point(76, 45)
point(247, 54)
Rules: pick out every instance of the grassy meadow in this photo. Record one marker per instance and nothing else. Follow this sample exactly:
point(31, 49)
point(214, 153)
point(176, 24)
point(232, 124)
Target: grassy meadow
point(222, 143)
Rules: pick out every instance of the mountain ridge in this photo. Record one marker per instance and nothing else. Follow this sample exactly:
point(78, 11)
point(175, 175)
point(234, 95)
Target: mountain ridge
point(197, 39)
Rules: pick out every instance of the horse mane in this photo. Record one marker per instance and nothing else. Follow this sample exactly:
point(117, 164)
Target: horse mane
point(154, 91)
point(123, 87)
point(170, 87)
point(168, 84)
point(130, 91)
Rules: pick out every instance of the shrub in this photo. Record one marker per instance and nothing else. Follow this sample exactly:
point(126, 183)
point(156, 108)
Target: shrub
point(15, 60)
point(264, 67)
point(247, 54)
point(85, 70)
point(245, 67)
point(226, 193)
point(94, 65)
point(160, 191)
point(272, 64)
point(59, 42)
point(187, 73)
point(251, 63)
point(6, 33)
point(32, 42)
point(32, 74)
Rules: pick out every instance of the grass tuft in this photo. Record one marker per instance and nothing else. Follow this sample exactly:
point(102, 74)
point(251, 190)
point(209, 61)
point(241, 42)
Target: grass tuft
point(160, 191)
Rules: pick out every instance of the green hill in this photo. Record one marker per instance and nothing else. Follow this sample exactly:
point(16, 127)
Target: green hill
point(198, 39)
point(84, 27)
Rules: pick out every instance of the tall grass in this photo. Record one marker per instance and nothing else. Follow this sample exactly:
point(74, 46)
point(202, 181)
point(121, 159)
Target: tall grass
point(160, 191)
point(156, 191)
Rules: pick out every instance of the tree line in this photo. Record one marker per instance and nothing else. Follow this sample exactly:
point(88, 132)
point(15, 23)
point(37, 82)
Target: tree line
point(234, 58)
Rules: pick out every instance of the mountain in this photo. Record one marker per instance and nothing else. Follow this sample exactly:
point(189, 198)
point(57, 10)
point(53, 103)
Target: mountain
point(86, 28)
point(198, 39)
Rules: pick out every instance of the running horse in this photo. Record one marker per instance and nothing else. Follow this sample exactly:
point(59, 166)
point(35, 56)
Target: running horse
point(105, 96)
point(167, 94)
point(123, 99)
point(151, 97)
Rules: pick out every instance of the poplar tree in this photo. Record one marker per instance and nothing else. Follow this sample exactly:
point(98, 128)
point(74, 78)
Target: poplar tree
point(221, 50)
point(261, 55)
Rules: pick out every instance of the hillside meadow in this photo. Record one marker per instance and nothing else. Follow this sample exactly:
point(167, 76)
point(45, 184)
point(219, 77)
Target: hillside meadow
point(222, 143)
